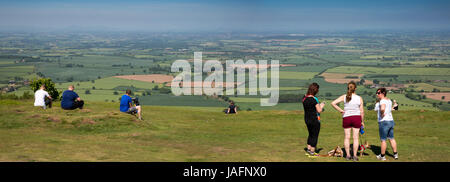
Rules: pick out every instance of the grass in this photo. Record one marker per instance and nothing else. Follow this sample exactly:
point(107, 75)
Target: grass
point(12, 71)
point(105, 87)
point(107, 83)
point(93, 67)
point(396, 71)
point(294, 75)
point(101, 133)
point(172, 100)
point(426, 87)
point(409, 104)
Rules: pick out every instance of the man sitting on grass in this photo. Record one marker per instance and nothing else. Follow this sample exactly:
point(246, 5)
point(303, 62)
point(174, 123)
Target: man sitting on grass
point(70, 99)
point(42, 98)
point(126, 105)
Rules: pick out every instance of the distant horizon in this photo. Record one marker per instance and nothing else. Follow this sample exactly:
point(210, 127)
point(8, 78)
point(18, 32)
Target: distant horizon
point(273, 32)
point(224, 16)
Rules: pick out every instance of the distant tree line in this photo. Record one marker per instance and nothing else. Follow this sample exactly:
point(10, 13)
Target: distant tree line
point(70, 65)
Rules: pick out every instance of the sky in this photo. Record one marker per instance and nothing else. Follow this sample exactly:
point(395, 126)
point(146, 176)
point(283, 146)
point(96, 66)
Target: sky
point(224, 15)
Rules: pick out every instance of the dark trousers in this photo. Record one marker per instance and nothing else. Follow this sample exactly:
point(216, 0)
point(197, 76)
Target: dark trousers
point(48, 103)
point(77, 104)
point(313, 131)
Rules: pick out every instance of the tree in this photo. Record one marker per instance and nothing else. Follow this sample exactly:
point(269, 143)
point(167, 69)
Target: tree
point(443, 97)
point(49, 87)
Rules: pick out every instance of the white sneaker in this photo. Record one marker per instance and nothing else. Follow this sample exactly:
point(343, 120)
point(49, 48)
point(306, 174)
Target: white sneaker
point(381, 158)
point(396, 156)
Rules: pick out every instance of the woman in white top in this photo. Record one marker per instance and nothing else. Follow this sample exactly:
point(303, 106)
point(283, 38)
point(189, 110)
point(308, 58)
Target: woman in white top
point(352, 117)
point(385, 123)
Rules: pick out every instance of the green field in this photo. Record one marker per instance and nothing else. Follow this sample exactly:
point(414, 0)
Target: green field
point(107, 83)
point(427, 87)
point(11, 71)
point(101, 133)
point(105, 87)
point(93, 66)
point(408, 104)
point(391, 71)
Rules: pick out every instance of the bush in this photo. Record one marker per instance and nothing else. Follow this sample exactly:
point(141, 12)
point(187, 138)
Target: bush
point(87, 91)
point(49, 87)
point(27, 95)
point(164, 90)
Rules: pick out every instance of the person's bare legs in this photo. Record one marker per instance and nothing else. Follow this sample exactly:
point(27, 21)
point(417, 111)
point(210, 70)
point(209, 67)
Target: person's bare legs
point(139, 112)
point(355, 141)
point(383, 147)
point(347, 141)
point(393, 145)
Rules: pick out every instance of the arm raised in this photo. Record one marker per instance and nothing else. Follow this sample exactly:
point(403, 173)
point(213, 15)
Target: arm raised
point(337, 101)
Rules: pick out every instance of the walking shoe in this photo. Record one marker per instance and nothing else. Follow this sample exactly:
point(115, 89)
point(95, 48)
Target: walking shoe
point(396, 156)
point(313, 155)
point(355, 158)
point(381, 158)
point(348, 158)
point(308, 152)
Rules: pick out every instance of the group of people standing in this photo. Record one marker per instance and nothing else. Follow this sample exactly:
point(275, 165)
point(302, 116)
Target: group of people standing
point(352, 119)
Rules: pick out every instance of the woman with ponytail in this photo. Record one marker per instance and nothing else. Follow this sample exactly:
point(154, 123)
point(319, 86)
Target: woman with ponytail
point(352, 117)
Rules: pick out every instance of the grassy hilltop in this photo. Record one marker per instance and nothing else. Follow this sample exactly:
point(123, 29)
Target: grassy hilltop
point(101, 133)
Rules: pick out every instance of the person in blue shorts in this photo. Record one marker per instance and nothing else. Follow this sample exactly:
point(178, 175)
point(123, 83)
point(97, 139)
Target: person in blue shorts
point(70, 99)
point(126, 105)
point(386, 123)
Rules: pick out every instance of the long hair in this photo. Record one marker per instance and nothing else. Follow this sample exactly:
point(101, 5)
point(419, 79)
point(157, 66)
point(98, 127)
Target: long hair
point(383, 91)
point(351, 87)
point(313, 89)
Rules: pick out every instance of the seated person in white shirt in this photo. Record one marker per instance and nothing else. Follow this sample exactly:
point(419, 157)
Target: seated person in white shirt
point(42, 98)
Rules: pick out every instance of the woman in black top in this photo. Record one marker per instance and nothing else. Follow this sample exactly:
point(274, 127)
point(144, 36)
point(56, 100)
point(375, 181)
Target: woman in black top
point(232, 109)
point(312, 117)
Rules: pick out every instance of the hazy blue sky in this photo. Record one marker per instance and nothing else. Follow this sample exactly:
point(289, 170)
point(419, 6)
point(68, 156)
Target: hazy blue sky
point(230, 15)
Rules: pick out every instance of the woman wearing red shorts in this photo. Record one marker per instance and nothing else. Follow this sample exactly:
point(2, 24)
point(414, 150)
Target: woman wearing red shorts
point(352, 117)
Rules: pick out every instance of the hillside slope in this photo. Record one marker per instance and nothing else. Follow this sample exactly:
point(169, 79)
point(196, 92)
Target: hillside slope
point(101, 133)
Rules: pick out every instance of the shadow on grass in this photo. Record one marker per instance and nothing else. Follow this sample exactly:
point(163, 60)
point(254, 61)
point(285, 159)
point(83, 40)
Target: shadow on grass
point(377, 150)
point(358, 153)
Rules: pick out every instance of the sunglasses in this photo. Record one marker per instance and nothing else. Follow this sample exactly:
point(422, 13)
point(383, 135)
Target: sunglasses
point(378, 93)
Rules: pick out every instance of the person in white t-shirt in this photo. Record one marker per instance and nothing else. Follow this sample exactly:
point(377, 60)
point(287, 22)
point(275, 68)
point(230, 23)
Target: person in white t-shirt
point(386, 123)
point(352, 118)
point(42, 98)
